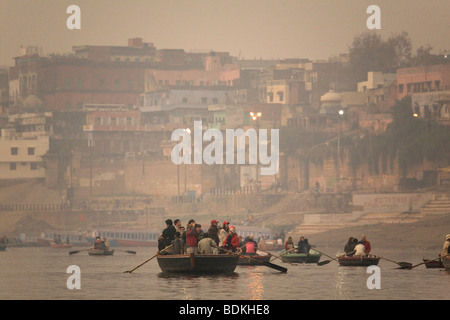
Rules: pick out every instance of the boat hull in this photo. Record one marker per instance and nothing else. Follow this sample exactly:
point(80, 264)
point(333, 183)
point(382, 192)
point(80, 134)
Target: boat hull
point(311, 257)
point(200, 263)
point(355, 261)
point(60, 245)
point(430, 264)
point(253, 260)
point(446, 263)
point(100, 252)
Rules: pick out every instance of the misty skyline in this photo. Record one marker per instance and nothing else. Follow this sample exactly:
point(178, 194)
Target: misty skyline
point(247, 29)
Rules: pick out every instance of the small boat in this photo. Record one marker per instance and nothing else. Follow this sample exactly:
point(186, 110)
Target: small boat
point(75, 238)
point(198, 263)
point(100, 252)
point(60, 245)
point(311, 257)
point(446, 262)
point(127, 238)
point(2, 247)
point(365, 261)
point(253, 260)
point(433, 263)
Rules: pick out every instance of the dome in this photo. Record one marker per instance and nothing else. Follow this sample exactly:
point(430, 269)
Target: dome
point(331, 96)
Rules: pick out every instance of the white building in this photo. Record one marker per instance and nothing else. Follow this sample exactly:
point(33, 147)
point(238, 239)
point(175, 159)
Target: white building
point(21, 157)
point(376, 80)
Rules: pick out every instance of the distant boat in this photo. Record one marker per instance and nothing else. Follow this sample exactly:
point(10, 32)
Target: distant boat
point(100, 252)
point(253, 260)
point(433, 263)
point(311, 257)
point(446, 262)
point(358, 261)
point(2, 247)
point(127, 238)
point(75, 238)
point(62, 245)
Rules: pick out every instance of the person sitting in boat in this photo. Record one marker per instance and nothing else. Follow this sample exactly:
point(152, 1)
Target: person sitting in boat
point(446, 246)
point(303, 246)
point(289, 244)
point(360, 249)
point(105, 243)
point(200, 232)
point(232, 241)
point(177, 244)
point(366, 244)
point(223, 233)
point(250, 246)
point(349, 248)
point(191, 238)
point(207, 245)
point(98, 243)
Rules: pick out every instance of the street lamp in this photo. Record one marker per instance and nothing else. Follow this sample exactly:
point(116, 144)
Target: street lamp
point(255, 116)
point(341, 113)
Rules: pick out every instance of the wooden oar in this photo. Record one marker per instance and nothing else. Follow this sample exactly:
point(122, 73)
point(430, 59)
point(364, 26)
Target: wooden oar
point(277, 257)
point(268, 264)
point(76, 251)
point(401, 263)
point(159, 252)
point(419, 264)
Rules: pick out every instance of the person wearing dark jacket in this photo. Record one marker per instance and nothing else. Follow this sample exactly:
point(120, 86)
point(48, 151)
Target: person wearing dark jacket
point(167, 236)
point(349, 248)
point(232, 241)
point(213, 231)
point(303, 246)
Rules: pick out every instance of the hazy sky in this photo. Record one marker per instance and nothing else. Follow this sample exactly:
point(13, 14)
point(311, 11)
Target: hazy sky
point(314, 29)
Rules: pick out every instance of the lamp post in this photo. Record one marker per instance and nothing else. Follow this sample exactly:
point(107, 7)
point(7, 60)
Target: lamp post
point(340, 114)
point(255, 117)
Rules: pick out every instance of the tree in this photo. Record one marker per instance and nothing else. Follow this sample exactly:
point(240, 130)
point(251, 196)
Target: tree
point(369, 52)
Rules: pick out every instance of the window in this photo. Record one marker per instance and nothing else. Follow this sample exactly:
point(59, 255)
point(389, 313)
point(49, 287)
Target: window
point(80, 83)
point(270, 94)
point(33, 166)
point(14, 151)
point(12, 166)
point(204, 99)
point(400, 88)
point(117, 83)
point(280, 95)
point(185, 100)
point(102, 83)
point(31, 151)
point(67, 83)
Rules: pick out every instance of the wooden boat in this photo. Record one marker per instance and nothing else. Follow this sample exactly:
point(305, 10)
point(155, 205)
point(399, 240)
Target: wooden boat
point(199, 263)
point(127, 238)
point(270, 245)
point(75, 238)
point(433, 264)
point(100, 252)
point(293, 257)
point(2, 247)
point(60, 245)
point(253, 260)
point(365, 261)
point(446, 262)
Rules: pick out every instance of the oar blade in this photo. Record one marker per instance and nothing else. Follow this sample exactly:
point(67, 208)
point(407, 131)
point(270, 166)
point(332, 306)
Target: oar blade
point(73, 252)
point(324, 262)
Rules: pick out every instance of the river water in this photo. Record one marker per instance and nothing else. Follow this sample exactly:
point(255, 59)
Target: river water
point(40, 273)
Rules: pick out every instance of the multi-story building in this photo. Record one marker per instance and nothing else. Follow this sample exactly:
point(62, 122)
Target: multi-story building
point(22, 156)
point(422, 79)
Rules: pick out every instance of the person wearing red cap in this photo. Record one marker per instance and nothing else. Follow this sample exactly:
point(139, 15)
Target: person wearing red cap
point(232, 242)
point(213, 231)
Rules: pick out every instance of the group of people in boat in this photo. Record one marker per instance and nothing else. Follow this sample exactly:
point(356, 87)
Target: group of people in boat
point(218, 239)
point(303, 245)
point(101, 243)
point(355, 247)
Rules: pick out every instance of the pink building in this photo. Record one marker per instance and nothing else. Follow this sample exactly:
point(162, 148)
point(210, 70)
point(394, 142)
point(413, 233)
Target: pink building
point(422, 79)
